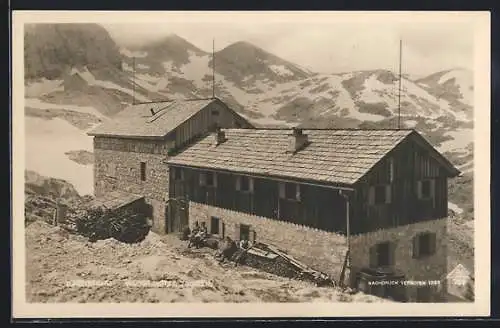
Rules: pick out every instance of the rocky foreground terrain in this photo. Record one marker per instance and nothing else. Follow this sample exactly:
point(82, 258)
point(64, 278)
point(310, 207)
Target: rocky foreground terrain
point(62, 267)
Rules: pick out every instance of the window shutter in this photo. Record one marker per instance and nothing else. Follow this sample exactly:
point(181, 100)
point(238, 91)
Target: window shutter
point(419, 189)
point(250, 184)
point(371, 195)
point(203, 179)
point(416, 247)
point(253, 235)
point(215, 179)
point(238, 183)
point(433, 193)
point(297, 192)
point(282, 190)
point(373, 256)
point(388, 194)
point(432, 241)
point(391, 169)
point(236, 232)
point(392, 253)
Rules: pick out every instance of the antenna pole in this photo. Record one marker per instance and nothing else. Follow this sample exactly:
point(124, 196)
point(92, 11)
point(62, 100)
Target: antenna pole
point(133, 80)
point(213, 68)
point(399, 89)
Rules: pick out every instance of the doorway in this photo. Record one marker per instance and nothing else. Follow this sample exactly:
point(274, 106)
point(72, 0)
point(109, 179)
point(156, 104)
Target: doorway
point(179, 214)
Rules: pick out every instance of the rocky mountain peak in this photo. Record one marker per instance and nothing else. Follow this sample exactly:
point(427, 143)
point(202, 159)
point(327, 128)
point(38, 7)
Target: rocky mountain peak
point(50, 50)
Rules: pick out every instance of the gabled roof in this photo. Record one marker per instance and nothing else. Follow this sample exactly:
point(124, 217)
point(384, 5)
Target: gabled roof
point(338, 157)
point(137, 121)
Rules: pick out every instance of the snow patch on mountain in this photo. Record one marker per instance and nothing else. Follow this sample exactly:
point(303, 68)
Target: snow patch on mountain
point(91, 80)
point(47, 141)
point(38, 104)
point(356, 114)
point(196, 69)
point(42, 87)
point(461, 138)
point(410, 123)
point(132, 54)
point(463, 79)
point(281, 70)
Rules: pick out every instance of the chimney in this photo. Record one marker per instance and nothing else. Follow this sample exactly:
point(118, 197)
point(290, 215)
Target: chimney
point(297, 140)
point(220, 136)
point(152, 111)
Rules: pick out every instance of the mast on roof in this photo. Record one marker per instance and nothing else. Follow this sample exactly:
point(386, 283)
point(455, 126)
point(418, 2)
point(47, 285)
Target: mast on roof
point(133, 80)
point(399, 88)
point(213, 68)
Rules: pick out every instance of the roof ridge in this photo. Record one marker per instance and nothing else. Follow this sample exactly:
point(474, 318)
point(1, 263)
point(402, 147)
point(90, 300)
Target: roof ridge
point(171, 100)
point(318, 129)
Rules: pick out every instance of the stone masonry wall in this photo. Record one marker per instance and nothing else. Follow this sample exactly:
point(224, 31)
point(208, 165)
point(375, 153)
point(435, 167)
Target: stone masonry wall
point(431, 268)
point(117, 167)
point(323, 251)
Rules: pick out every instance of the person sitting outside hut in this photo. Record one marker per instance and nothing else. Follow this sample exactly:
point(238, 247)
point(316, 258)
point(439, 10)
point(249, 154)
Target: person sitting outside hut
point(193, 234)
point(200, 235)
point(244, 245)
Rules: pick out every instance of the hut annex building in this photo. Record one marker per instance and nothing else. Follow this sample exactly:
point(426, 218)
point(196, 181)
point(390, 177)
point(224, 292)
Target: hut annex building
point(378, 198)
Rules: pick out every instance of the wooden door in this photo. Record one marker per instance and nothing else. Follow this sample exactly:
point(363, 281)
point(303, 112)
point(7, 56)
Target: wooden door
point(180, 216)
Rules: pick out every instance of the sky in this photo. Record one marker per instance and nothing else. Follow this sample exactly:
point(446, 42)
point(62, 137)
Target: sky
point(321, 42)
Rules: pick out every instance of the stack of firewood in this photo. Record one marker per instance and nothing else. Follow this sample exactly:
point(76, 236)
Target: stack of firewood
point(282, 264)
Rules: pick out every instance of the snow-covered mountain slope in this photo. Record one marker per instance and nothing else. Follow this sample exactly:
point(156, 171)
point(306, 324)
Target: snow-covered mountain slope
point(458, 82)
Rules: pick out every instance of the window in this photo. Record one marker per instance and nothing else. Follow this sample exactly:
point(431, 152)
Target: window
point(214, 225)
point(244, 183)
point(391, 169)
point(380, 194)
point(382, 254)
point(244, 232)
point(290, 191)
point(178, 174)
point(215, 112)
point(208, 179)
point(424, 244)
point(426, 189)
point(143, 171)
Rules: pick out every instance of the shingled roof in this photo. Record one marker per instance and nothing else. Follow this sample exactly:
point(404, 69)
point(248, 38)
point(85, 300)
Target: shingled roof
point(138, 120)
point(333, 156)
